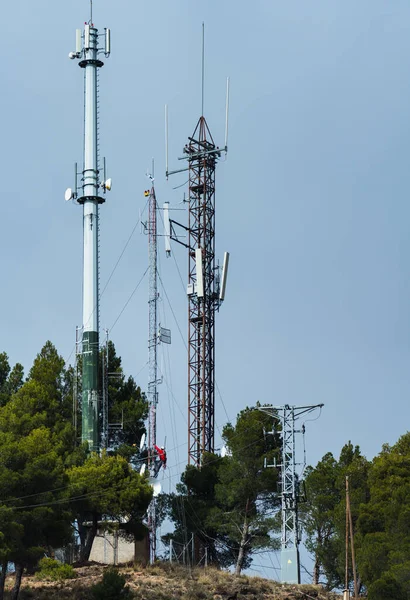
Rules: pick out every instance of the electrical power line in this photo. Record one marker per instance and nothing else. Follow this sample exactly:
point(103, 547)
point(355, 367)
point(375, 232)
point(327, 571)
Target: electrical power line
point(129, 299)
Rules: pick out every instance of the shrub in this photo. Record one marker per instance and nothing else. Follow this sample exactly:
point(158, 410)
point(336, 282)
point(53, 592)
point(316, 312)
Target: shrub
point(111, 587)
point(53, 570)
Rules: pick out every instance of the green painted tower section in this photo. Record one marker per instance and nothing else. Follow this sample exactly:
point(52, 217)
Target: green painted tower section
point(90, 396)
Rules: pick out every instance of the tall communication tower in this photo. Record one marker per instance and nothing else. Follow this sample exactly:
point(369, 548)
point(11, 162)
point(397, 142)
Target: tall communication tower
point(156, 334)
point(151, 228)
point(206, 284)
point(152, 359)
point(88, 194)
point(290, 486)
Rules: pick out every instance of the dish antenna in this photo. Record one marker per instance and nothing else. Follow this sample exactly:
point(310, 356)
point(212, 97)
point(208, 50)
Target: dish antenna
point(142, 442)
point(108, 184)
point(69, 194)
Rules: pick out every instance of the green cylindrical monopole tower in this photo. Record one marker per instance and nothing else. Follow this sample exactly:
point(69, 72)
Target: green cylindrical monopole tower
point(90, 198)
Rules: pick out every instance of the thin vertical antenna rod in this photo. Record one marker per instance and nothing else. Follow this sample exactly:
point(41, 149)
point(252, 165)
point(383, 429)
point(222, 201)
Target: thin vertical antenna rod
point(166, 141)
point(203, 67)
point(226, 114)
point(91, 12)
point(90, 198)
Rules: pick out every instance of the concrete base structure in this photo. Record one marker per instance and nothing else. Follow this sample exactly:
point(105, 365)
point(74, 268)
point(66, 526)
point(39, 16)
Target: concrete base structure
point(111, 549)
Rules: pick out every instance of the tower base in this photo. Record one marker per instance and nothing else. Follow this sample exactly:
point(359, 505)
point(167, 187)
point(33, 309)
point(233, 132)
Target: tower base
point(289, 563)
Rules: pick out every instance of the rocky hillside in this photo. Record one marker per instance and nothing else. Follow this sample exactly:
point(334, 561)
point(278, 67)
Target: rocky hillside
point(167, 582)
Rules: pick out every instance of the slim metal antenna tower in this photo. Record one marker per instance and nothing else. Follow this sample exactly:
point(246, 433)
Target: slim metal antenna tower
point(153, 319)
point(206, 288)
point(152, 350)
point(88, 194)
point(290, 487)
point(156, 334)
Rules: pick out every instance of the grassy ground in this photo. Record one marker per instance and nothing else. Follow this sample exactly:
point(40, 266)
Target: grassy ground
point(168, 582)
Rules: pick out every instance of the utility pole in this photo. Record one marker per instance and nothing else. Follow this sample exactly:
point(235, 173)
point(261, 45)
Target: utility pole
point(349, 531)
point(290, 486)
point(88, 195)
point(206, 285)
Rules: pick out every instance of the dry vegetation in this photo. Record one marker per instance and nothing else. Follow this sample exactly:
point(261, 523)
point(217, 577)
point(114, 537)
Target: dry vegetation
point(168, 582)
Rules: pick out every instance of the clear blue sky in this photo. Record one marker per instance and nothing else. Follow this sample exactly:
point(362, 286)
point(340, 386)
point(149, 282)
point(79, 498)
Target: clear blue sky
point(312, 202)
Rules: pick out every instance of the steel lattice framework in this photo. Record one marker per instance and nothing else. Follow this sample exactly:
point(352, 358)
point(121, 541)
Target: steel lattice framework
point(206, 282)
point(290, 484)
point(152, 358)
point(153, 325)
point(202, 156)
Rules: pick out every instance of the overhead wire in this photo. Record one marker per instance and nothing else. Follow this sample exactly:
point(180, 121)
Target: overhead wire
point(172, 311)
point(186, 347)
point(89, 494)
point(167, 365)
point(123, 250)
point(180, 331)
point(114, 268)
point(129, 299)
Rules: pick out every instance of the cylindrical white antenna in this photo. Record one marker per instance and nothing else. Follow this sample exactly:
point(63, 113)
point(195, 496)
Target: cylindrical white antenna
point(78, 41)
point(224, 276)
point(107, 41)
point(227, 114)
point(86, 37)
point(166, 141)
point(167, 229)
point(199, 273)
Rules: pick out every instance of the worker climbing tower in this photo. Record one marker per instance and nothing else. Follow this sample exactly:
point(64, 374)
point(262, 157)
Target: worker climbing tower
point(90, 194)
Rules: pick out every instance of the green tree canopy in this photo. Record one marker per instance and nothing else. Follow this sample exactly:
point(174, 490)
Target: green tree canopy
point(324, 514)
point(228, 503)
point(10, 379)
point(106, 487)
point(384, 524)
